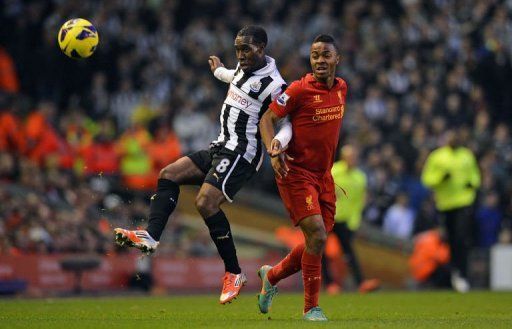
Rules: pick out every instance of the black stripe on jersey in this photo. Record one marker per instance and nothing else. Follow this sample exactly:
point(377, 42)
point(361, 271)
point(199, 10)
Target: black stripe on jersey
point(268, 100)
point(257, 157)
point(225, 117)
point(243, 79)
point(240, 129)
point(264, 106)
point(264, 84)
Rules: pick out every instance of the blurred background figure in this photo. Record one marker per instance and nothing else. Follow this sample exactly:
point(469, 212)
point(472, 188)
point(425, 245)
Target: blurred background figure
point(452, 172)
point(399, 218)
point(350, 202)
point(429, 262)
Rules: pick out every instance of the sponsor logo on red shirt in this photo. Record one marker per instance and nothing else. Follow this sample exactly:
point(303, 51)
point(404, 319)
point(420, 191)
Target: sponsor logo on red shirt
point(329, 113)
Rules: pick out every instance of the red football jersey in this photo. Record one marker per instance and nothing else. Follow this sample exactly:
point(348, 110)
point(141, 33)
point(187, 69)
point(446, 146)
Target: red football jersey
point(316, 113)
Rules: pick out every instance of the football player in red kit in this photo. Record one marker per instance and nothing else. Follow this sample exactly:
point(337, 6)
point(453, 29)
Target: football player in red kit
point(315, 105)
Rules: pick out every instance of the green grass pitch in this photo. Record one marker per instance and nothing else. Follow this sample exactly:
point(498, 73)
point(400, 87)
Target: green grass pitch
point(379, 310)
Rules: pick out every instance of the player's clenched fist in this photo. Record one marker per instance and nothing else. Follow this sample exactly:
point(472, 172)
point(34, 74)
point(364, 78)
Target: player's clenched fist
point(275, 148)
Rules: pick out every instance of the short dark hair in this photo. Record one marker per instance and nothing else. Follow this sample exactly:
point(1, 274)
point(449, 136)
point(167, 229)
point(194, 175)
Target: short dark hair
point(327, 39)
point(257, 33)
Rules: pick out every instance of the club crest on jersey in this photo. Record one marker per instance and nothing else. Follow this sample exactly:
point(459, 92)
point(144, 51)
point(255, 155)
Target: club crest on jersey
point(255, 86)
point(282, 99)
point(309, 202)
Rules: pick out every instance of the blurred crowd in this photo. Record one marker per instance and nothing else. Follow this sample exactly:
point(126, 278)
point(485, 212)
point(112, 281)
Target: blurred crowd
point(81, 142)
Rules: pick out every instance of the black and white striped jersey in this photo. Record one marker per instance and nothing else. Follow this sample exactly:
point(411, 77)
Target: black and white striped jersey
point(248, 98)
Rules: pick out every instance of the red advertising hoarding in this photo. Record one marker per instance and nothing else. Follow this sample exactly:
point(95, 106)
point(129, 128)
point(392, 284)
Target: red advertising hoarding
point(45, 273)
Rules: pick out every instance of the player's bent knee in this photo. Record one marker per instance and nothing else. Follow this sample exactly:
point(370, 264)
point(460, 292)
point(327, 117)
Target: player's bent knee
point(319, 239)
point(168, 173)
point(316, 238)
point(206, 205)
point(201, 201)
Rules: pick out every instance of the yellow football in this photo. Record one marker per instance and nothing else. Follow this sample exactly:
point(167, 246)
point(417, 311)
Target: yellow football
point(78, 38)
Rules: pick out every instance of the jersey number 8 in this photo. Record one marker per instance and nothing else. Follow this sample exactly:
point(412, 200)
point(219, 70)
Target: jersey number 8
point(223, 165)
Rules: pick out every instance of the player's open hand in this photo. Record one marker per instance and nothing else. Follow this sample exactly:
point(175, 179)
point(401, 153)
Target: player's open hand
point(215, 63)
point(280, 166)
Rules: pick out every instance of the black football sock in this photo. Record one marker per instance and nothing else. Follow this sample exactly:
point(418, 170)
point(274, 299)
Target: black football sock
point(220, 231)
point(161, 207)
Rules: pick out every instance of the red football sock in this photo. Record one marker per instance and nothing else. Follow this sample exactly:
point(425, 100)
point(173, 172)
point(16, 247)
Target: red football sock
point(291, 264)
point(311, 277)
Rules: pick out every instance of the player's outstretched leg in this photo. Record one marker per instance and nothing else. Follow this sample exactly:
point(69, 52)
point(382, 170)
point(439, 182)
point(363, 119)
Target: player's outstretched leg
point(270, 276)
point(139, 239)
point(162, 204)
point(268, 291)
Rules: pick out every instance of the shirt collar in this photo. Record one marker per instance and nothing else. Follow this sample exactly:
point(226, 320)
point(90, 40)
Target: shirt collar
point(320, 85)
point(267, 69)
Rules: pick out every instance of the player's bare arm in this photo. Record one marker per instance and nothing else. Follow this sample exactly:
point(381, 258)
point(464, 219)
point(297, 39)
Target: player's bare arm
point(274, 147)
point(267, 131)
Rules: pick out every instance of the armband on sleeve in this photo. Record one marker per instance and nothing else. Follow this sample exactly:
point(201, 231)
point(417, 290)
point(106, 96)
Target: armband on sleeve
point(285, 132)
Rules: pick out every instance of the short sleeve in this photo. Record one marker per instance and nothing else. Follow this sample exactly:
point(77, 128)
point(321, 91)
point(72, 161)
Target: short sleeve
point(343, 88)
point(278, 91)
point(287, 102)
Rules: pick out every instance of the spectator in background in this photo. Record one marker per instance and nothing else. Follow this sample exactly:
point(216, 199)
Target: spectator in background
point(488, 221)
point(100, 157)
point(399, 218)
point(7, 168)
point(135, 163)
point(12, 138)
point(349, 209)
point(452, 173)
point(165, 146)
point(42, 138)
point(8, 78)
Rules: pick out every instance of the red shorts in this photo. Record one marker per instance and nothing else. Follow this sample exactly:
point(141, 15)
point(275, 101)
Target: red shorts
point(305, 194)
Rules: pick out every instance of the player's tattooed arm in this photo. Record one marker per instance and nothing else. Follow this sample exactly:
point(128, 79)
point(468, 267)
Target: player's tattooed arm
point(219, 71)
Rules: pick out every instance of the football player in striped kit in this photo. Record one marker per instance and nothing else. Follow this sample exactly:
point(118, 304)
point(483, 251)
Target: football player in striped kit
point(232, 159)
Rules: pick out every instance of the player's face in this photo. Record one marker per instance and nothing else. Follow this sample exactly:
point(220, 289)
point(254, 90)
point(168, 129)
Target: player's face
point(249, 54)
point(323, 58)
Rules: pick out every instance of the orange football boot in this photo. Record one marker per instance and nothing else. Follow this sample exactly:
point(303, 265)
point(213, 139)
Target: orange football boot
point(139, 239)
point(231, 287)
point(369, 285)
